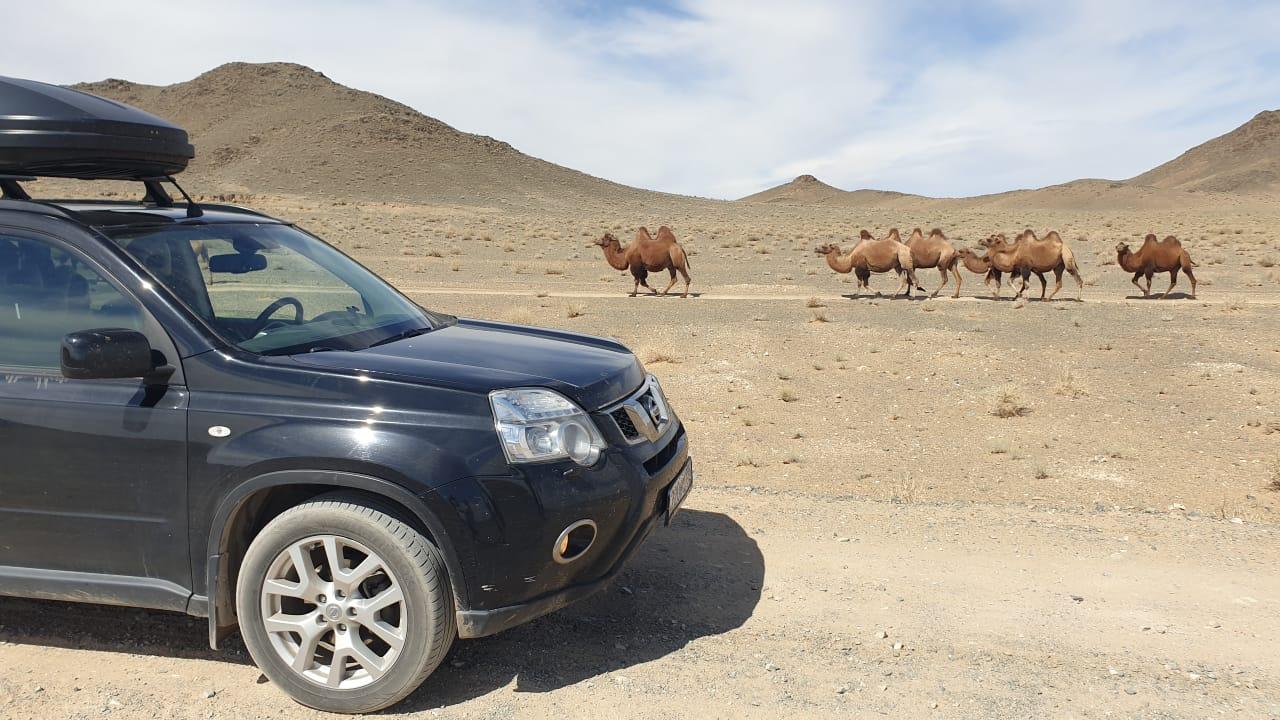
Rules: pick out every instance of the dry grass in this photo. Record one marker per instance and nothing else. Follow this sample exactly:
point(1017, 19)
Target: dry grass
point(814, 302)
point(1069, 386)
point(657, 357)
point(575, 310)
point(819, 317)
point(1009, 404)
point(1274, 485)
point(520, 316)
point(787, 395)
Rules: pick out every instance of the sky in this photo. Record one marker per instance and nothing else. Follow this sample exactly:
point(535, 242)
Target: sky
point(723, 98)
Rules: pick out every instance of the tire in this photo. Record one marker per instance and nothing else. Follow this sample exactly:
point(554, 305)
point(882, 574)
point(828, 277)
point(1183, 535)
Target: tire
point(337, 615)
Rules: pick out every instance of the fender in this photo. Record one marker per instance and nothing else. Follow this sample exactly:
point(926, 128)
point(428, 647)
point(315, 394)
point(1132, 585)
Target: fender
point(219, 604)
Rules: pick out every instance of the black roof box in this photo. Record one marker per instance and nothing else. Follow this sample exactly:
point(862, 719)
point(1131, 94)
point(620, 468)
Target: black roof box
point(52, 131)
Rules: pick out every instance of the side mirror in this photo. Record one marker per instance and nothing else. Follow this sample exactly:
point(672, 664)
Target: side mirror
point(106, 353)
point(237, 263)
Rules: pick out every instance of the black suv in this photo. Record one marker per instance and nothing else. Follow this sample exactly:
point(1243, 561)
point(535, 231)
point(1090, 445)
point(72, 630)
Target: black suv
point(208, 410)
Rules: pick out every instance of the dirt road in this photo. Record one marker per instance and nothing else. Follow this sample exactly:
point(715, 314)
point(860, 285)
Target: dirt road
point(768, 604)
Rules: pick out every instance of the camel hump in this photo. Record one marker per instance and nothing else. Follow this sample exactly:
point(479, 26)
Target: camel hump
point(1171, 240)
point(893, 233)
point(1151, 237)
point(665, 234)
point(864, 235)
point(1053, 235)
point(936, 231)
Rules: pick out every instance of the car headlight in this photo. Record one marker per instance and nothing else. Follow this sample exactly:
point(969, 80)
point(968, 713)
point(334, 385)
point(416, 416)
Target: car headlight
point(537, 425)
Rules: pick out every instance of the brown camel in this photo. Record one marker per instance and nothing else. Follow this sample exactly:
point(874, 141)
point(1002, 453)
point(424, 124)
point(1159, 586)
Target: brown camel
point(994, 265)
point(646, 254)
point(1031, 254)
point(1153, 257)
point(871, 255)
point(935, 251)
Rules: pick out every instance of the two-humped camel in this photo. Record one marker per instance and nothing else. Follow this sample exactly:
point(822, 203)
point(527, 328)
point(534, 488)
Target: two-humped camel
point(1030, 254)
point(993, 266)
point(888, 254)
point(935, 251)
point(1153, 257)
point(647, 254)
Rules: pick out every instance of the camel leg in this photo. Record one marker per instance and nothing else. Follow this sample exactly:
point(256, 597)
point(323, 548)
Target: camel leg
point(998, 276)
point(1148, 275)
point(685, 275)
point(1025, 275)
point(955, 269)
point(1057, 284)
point(671, 270)
point(1192, 278)
point(1173, 280)
point(1138, 284)
point(943, 272)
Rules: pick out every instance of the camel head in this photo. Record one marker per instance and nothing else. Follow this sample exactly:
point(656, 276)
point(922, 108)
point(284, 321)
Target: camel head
point(994, 240)
point(967, 253)
point(828, 248)
point(606, 240)
point(1122, 247)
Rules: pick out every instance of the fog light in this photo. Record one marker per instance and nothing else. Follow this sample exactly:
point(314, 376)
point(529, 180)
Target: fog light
point(574, 542)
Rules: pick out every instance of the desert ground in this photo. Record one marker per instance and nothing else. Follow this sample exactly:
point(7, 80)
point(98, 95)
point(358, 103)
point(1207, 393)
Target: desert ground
point(905, 508)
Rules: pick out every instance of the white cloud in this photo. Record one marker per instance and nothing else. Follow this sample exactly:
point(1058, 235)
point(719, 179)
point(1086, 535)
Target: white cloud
point(725, 98)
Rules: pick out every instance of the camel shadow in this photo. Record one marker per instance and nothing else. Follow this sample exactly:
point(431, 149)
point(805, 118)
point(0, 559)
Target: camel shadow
point(700, 577)
point(864, 296)
point(668, 295)
point(1156, 296)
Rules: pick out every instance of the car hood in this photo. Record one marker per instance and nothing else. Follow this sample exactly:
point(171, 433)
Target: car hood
point(480, 356)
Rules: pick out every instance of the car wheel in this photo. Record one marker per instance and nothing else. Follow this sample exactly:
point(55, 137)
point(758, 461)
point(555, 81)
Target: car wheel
point(343, 605)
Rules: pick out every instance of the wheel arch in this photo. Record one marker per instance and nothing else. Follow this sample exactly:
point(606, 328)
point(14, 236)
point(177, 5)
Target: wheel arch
point(255, 501)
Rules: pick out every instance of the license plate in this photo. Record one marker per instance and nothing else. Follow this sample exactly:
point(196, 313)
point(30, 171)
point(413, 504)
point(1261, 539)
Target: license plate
point(679, 490)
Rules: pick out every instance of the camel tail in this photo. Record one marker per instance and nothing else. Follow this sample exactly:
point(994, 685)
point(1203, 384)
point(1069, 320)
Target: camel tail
point(685, 256)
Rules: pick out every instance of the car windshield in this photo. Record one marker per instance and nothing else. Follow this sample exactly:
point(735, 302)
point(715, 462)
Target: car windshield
point(272, 289)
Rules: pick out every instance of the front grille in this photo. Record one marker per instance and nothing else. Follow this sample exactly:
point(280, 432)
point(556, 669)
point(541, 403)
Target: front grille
point(624, 423)
point(659, 461)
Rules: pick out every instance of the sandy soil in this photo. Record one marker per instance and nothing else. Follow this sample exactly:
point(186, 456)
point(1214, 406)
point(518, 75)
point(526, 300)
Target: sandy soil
point(942, 508)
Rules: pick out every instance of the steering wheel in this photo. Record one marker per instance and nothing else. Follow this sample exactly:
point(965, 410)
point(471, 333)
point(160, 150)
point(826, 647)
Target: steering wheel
point(264, 317)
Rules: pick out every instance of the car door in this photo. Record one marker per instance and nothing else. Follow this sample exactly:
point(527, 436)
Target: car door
point(93, 481)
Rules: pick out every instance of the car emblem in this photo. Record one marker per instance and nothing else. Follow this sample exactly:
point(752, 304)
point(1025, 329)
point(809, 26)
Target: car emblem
point(647, 415)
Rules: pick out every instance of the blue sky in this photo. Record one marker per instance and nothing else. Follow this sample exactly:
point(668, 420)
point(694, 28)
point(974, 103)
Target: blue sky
point(722, 98)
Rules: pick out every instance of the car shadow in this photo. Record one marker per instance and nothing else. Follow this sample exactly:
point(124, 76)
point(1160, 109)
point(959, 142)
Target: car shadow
point(700, 577)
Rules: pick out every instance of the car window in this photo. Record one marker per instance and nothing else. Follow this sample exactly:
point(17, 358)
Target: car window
point(243, 296)
point(45, 293)
point(272, 289)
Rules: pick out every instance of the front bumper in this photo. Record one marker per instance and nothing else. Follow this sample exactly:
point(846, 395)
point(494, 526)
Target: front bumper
point(481, 623)
point(516, 579)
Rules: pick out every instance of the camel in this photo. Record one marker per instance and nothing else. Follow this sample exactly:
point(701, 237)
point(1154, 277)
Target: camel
point(646, 254)
point(995, 264)
point(871, 255)
point(1153, 257)
point(935, 251)
point(1031, 254)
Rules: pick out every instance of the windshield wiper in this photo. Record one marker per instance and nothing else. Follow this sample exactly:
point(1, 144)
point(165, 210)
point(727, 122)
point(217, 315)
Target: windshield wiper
point(405, 335)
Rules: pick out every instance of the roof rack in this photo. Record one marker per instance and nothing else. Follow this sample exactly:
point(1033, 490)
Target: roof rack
point(156, 195)
point(11, 190)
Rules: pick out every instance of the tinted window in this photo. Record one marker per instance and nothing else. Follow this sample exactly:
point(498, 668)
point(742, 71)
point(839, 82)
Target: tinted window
point(46, 293)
